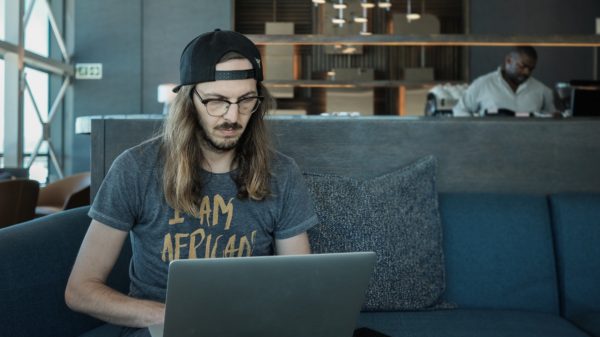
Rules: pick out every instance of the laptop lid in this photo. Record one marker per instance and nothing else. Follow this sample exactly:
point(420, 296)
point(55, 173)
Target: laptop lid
point(318, 295)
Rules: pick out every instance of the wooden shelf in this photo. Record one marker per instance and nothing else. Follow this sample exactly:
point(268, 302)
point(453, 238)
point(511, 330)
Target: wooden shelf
point(431, 40)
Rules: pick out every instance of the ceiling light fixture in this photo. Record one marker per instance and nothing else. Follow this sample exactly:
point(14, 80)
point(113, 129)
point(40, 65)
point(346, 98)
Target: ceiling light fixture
point(366, 4)
point(384, 4)
point(349, 50)
point(338, 21)
point(409, 15)
point(364, 30)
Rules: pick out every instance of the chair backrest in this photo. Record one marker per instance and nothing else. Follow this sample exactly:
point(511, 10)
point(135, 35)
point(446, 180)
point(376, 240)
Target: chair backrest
point(59, 193)
point(7, 173)
point(78, 199)
point(18, 199)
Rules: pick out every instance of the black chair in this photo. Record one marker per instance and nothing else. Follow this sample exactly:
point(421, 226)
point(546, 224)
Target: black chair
point(18, 198)
point(7, 173)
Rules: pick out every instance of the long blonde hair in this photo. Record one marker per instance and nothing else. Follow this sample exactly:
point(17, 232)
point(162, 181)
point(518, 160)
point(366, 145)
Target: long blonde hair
point(182, 136)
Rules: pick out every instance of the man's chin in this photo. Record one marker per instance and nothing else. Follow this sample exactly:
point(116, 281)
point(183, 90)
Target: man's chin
point(222, 146)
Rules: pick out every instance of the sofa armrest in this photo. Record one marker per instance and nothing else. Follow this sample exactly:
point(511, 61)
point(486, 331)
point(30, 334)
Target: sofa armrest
point(37, 259)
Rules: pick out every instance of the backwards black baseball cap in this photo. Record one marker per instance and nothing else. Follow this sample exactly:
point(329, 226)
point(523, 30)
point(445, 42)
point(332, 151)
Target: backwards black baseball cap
point(200, 57)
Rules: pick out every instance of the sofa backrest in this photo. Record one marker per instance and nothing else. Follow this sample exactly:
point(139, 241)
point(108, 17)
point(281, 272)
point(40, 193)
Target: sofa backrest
point(37, 259)
point(499, 252)
point(518, 155)
point(576, 224)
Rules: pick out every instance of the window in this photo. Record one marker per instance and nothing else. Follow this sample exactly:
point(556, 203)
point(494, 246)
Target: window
point(36, 96)
point(2, 37)
point(1, 107)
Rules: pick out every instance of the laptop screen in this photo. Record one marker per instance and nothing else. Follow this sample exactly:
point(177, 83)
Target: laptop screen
point(317, 295)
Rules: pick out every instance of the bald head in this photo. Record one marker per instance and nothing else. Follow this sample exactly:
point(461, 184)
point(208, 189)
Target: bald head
point(519, 64)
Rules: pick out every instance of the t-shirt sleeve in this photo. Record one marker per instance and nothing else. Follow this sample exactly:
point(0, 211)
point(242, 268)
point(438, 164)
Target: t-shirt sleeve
point(297, 211)
point(548, 101)
point(467, 105)
point(117, 202)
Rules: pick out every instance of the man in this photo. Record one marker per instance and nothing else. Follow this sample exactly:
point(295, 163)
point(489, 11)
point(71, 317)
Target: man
point(209, 186)
point(509, 90)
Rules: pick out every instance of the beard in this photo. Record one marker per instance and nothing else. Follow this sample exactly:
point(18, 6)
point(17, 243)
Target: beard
point(522, 79)
point(519, 79)
point(219, 145)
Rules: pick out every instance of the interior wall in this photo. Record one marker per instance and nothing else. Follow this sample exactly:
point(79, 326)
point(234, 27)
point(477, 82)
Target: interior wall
point(138, 43)
point(535, 17)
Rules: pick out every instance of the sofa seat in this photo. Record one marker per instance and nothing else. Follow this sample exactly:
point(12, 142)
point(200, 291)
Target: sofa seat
point(469, 323)
point(589, 322)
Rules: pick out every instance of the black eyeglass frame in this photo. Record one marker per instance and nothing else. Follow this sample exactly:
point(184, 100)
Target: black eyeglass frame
point(205, 102)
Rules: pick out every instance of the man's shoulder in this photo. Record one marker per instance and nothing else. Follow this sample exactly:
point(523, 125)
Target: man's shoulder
point(145, 152)
point(282, 162)
point(484, 82)
point(147, 148)
point(491, 76)
point(538, 85)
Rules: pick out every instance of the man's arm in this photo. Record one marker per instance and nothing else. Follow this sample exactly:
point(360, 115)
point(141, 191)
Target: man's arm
point(549, 106)
point(87, 291)
point(467, 105)
point(293, 246)
point(460, 109)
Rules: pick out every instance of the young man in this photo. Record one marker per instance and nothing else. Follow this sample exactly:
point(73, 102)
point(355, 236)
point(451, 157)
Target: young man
point(209, 186)
point(510, 89)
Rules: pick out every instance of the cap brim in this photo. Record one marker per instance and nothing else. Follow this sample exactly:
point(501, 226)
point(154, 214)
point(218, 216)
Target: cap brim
point(176, 89)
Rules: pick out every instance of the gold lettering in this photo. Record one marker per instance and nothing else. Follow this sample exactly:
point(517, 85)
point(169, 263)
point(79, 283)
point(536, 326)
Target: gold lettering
point(207, 247)
point(219, 205)
point(193, 246)
point(167, 248)
point(178, 244)
point(205, 210)
point(177, 219)
point(230, 249)
point(246, 245)
point(213, 253)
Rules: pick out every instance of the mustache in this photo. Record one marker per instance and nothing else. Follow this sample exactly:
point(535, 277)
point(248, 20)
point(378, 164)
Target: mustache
point(228, 126)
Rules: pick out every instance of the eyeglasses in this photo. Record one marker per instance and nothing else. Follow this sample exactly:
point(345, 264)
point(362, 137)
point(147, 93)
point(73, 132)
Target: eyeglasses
point(218, 107)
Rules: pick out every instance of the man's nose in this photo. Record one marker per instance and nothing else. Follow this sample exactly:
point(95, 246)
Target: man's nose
point(232, 112)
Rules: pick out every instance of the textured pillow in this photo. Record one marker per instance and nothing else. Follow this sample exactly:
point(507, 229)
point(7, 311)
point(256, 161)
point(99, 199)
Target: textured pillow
point(395, 215)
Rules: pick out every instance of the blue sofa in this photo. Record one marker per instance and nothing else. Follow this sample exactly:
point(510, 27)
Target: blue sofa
point(521, 258)
point(516, 265)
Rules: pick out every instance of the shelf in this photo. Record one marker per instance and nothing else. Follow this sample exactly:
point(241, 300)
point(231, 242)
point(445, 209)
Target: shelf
point(431, 40)
point(351, 84)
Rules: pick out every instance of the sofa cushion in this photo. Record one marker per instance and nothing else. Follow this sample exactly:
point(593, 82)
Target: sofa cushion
point(396, 215)
point(469, 323)
point(576, 224)
point(499, 251)
point(588, 322)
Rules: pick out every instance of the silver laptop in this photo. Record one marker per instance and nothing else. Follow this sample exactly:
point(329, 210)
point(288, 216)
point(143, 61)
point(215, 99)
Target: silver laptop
point(317, 295)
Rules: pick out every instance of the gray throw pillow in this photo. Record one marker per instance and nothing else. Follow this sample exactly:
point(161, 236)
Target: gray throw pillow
point(395, 215)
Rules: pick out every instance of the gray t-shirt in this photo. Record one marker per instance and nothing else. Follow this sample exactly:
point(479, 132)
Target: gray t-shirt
point(131, 199)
